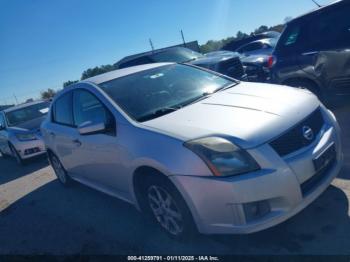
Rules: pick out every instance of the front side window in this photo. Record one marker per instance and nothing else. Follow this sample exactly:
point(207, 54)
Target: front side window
point(63, 113)
point(166, 88)
point(88, 108)
point(27, 113)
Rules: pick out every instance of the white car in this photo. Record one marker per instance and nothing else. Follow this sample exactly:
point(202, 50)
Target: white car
point(194, 149)
point(20, 135)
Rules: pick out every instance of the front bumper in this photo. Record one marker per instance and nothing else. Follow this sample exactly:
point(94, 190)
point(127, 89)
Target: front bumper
point(29, 149)
point(218, 204)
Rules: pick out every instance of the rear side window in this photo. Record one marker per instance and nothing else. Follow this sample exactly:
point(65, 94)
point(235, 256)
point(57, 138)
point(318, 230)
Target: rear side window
point(251, 47)
point(62, 110)
point(137, 61)
point(331, 29)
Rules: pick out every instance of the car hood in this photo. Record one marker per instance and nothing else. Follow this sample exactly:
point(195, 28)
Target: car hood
point(29, 126)
point(249, 114)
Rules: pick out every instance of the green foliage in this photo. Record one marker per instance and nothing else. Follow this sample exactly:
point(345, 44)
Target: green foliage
point(96, 71)
point(69, 82)
point(48, 94)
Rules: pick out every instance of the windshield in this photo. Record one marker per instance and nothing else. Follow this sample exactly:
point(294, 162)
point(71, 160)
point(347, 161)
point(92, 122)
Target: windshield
point(176, 55)
point(165, 88)
point(22, 115)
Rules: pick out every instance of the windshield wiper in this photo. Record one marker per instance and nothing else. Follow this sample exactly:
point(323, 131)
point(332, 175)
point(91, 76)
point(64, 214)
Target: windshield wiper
point(226, 87)
point(160, 112)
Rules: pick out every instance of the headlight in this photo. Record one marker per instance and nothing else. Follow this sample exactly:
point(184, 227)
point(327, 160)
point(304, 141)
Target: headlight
point(26, 137)
point(222, 157)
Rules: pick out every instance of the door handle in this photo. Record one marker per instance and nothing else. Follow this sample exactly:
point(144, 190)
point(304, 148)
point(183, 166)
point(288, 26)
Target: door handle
point(76, 142)
point(310, 53)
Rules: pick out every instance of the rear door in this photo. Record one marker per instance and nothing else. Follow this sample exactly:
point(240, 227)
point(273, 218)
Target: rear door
point(327, 49)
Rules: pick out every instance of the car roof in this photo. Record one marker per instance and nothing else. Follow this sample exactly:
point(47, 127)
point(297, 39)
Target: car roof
point(13, 108)
point(319, 9)
point(121, 72)
point(148, 53)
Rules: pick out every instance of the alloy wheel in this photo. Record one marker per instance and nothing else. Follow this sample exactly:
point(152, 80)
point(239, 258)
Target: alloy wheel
point(59, 170)
point(165, 210)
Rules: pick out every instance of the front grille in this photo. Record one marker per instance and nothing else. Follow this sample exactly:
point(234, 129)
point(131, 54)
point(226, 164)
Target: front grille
point(232, 67)
point(294, 139)
point(310, 184)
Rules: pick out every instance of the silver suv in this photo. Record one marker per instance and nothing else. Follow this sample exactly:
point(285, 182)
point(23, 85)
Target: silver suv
point(193, 149)
point(20, 134)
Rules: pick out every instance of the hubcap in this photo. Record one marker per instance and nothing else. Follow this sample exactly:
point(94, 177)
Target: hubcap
point(60, 173)
point(165, 210)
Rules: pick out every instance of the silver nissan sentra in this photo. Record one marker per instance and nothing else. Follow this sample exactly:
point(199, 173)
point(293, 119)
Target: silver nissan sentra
point(193, 149)
point(20, 135)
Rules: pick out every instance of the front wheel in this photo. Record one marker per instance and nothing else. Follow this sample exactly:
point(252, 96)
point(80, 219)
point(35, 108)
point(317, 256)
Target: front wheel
point(168, 208)
point(59, 170)
point(16, 155)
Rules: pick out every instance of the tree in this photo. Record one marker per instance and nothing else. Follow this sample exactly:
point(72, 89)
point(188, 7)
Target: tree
point(96, 71)
point(69, 82)
point(261, 29)
point(29, 100)
point(48, 94)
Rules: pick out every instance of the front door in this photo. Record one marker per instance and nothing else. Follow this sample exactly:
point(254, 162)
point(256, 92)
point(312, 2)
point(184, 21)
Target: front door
point(96, 156)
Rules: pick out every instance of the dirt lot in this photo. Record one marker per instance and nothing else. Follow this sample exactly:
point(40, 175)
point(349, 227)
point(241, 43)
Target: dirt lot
point(39, 216)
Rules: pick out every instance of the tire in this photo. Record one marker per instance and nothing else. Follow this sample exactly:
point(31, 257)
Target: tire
point(5, 156)
point(306, 85)
point(163, 203)
point(15, 154)
point(60, 172)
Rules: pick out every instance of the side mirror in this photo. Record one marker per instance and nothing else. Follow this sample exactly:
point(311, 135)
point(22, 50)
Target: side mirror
point(89, 128)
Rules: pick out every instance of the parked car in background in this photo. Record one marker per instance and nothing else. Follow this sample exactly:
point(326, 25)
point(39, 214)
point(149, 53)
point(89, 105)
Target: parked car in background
point(20, 135)
point(256, 58)
point(313, 52)
point(233, 45)
point(225, 64)
point(193, 149)
point(258, 47)
point(257, 67)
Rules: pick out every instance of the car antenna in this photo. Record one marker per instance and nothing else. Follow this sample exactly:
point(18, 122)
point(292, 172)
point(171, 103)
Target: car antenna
point(316, 3)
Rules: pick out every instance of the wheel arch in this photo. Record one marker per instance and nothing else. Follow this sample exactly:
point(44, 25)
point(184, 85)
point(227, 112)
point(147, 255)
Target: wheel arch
point(312, 82)
point(139, 176)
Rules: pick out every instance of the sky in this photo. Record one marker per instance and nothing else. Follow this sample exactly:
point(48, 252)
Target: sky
point(45, 43)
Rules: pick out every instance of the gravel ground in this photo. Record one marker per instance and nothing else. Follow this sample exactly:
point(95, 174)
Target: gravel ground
point(39, 216)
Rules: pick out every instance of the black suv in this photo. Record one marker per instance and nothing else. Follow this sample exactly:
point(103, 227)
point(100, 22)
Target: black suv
point(225, 63)
point(314, 52)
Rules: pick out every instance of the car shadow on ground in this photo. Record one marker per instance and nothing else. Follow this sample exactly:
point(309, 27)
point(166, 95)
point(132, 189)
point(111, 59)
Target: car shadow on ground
point(10, 170)
point(58, 220)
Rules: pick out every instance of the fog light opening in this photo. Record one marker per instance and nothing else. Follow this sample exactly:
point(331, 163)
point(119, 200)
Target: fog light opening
point(256, 210)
